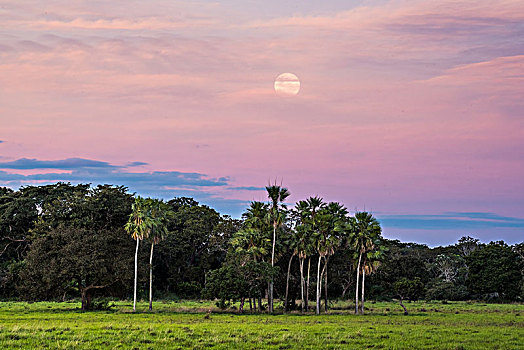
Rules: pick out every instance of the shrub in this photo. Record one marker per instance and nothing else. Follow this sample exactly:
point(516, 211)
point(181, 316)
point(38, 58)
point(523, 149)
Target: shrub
point(441, 290)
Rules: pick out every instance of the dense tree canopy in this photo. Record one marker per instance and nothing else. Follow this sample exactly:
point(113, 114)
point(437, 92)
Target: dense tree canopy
point(66, 241)
point(69, 261)
point(495, 271)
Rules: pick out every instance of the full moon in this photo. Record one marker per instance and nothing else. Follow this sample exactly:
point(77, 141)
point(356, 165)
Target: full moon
point(287, 84)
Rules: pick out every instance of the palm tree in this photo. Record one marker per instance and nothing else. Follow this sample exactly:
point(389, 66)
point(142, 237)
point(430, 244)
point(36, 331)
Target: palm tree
point(291, 244)
point(253, 238)
point(369, 266)
point(160, 214)
point(255, 216)
point(364, 232)
point(323, 244)
point(319, 230)
point(254, 235)
point(250, 242)
point(277, 195)
point(313, 205)
point(337, 217)
point(303, 248)
point(300, 236)
point(138, 226)
point(326, 241)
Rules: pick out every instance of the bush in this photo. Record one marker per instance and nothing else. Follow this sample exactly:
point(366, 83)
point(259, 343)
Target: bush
point(441, 290)
point(223, 304)
point(102, 304)
point(409, 289)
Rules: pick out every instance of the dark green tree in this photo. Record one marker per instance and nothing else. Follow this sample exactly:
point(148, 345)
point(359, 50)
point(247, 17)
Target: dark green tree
point(196, 244)
point(494, 271)
point(409, 260)
point(239, 278)
point(70, 261)
point(21, 213)
point(467, 245)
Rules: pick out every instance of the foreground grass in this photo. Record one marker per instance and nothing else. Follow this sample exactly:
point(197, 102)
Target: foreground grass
point(198, 325)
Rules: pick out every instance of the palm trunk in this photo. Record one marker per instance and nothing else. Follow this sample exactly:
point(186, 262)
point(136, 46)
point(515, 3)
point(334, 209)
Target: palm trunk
point(151, 278)
point(136, 273)
point(270, 299)
point(319, 283)
point(268, 290)
point(307, 284)
point(325, 285)
point(287, 281)
point(322, 274)
point(363, 280)
point(358, 278)
point(302, 283)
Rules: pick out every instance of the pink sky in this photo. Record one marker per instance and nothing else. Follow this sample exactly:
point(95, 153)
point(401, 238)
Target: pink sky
point(411, 109)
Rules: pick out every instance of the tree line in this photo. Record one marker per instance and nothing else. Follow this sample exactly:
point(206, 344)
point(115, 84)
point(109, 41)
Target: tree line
point(63, 241)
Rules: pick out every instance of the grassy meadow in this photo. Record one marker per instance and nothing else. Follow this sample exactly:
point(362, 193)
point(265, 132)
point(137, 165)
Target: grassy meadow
point(200, 325)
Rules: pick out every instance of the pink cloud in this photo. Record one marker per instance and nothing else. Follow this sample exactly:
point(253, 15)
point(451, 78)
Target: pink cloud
point(506, 71)
point(152, 23)
point(443, 11)
point(401, 104)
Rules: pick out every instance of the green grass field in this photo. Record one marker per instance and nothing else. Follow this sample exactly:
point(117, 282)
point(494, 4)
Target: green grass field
point(199, 325)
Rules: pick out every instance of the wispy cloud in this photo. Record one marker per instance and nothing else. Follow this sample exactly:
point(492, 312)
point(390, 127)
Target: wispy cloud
point(136, 164)
point(87, 170)
point(66, 164)
point(151, 23)
point(247, 188)
point(164, 184)
point(451, 220)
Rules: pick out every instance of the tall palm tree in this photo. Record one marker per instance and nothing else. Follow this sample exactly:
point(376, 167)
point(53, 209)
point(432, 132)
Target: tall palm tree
point(255, 216)
point(364, 231)
point(313, 205)
point(160, 213)
point(326, 241)
point(323, 244)
point(250, 242)
point(277, 195)
point(291, 244)
point(302, 242)
point(370, 265)
point(254, 237)
point(337, 219)
point(138, 226)
point(303, 248)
